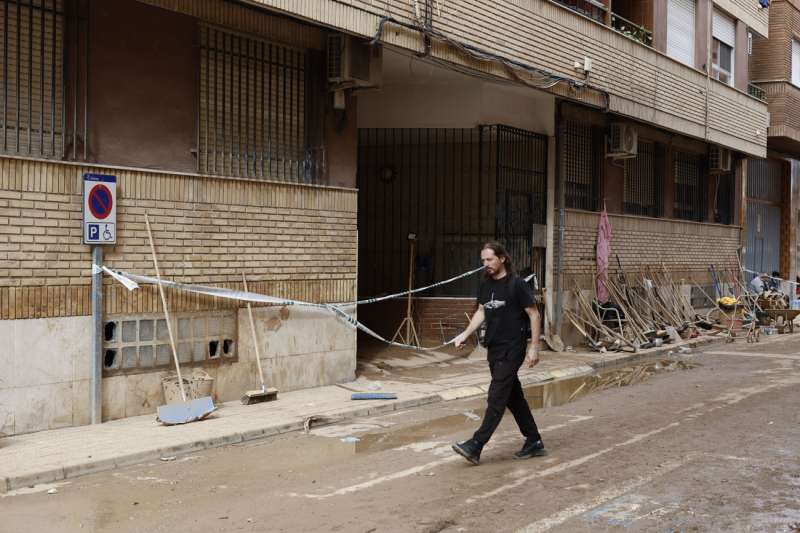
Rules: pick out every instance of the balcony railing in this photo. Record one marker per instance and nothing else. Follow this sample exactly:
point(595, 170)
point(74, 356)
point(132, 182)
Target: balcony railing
point(591, 8)
point(598, 11)
point(756, 92)
point(631, 29)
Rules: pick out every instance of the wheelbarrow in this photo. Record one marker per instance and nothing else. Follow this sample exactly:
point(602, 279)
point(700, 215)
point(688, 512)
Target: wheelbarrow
point(788, 316)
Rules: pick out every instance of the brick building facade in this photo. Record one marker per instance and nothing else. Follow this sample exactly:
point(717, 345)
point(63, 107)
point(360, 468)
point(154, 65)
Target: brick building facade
point(254, 152)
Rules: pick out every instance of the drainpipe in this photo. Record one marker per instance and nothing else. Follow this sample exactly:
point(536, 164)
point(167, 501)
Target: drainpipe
point(561, 191)
point(97, 335)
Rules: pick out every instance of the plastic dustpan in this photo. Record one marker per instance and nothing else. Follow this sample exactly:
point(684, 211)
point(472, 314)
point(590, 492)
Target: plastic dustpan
point(185, 412)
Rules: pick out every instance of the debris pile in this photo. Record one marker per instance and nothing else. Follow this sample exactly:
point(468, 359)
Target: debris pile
point(643, 311)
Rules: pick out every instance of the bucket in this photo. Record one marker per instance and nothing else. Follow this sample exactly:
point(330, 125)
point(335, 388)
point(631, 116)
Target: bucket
point(197, 384)
point(796, 304)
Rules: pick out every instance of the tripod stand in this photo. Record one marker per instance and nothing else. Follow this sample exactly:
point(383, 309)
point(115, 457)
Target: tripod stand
point(410, 336)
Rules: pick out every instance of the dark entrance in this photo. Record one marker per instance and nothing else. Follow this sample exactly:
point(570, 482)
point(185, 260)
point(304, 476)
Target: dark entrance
point(454, 189)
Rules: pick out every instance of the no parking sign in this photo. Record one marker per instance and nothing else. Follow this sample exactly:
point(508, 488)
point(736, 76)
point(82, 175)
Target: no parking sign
point(99, 209)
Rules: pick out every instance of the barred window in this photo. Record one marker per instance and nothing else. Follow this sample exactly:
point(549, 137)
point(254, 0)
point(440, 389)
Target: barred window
point(252, 120)
point(581, 166)
point(643, 181)
point(725, 201)
point(31, 85)
point(690, 190)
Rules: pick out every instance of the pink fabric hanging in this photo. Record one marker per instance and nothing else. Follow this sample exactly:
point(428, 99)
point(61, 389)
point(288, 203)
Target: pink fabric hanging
point(603, 253)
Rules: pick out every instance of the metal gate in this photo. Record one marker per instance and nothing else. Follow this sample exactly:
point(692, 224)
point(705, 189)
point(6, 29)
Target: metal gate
point(521, 177)
point(454, 189)
point(763, 220)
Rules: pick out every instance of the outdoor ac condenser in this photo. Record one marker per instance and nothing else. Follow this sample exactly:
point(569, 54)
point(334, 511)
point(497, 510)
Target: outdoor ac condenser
point(622, 141)
point(352, 62)
point(719, 159)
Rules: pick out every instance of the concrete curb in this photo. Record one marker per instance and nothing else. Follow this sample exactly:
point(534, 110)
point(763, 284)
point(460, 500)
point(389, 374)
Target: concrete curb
point(84, 467)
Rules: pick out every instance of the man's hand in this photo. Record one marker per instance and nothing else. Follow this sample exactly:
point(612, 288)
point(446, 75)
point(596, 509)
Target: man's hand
point(460, 340)
point(532, 357)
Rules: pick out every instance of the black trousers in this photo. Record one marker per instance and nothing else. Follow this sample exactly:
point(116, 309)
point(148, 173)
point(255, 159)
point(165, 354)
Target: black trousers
point(505, 390)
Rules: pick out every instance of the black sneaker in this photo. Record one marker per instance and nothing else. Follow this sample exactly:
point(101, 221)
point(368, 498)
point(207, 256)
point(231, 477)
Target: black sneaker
point(531, 448)
point(469, 450)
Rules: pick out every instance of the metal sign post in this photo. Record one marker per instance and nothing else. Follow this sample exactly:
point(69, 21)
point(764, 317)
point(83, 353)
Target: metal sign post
point(99, 228)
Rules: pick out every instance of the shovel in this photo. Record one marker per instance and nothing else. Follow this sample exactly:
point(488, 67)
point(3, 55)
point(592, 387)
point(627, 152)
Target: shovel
point(187, 411)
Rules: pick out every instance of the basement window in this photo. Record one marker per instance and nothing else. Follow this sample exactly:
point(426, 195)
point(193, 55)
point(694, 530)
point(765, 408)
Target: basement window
point(141, 343)
point(701, 297)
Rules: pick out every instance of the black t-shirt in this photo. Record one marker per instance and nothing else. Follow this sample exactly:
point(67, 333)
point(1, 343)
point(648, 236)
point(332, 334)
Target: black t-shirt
point(504, 301)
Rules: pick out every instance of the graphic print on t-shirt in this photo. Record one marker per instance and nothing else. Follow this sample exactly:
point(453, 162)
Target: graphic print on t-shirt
point(505, 301)
point(494, 304)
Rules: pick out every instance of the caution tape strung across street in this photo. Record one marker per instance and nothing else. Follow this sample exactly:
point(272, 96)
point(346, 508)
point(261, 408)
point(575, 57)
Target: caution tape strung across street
point(132, 281)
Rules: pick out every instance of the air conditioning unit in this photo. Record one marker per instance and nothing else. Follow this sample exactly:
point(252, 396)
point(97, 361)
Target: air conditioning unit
point(352, 62)
point(719, 159)
point(622, 141)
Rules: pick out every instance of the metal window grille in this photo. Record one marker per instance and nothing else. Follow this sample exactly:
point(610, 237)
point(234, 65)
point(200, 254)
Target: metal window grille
point(725, 201)
point(521, 166)
point(455, 189)
point(32, 81)
point(701, 296)
point(643, 182)
point(589, 8)
point(690, 191)
point(581, 169)
point(253, 109)
point(764, 179)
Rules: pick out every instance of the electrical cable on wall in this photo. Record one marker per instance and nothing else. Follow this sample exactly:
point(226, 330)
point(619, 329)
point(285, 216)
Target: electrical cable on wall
point(528, 75)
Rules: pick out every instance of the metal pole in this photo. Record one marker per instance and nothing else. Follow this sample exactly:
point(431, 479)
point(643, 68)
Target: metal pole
point(561, 191)
point(97, 335)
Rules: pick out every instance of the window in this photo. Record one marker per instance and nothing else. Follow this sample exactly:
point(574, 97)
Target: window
point(580, 160)
point(690, 190)
point(725, 202)
point(722, 57)
point(253, 121)
point(680, 30)
point(590, 8)
point(722, 47)
point(643, 181)
point(796, 62)
point(31, 79)
point(702, 296)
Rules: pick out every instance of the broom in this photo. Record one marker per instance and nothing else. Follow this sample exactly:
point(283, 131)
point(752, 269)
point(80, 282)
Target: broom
point(265, 394)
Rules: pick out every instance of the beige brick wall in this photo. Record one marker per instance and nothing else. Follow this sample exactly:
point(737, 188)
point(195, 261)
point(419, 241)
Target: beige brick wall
point(771, 67)
point(291, 240)
point(685, 248)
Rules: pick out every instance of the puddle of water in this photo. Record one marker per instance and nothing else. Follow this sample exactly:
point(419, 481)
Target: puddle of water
point(373, 437)
point(375, 442)
point(564, 391)
point(548, 394)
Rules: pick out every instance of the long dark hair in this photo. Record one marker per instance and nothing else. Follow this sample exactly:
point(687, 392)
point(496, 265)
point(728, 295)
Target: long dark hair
point(501, 252)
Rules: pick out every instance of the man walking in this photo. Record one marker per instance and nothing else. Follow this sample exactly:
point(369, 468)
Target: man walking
point(506, 303)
